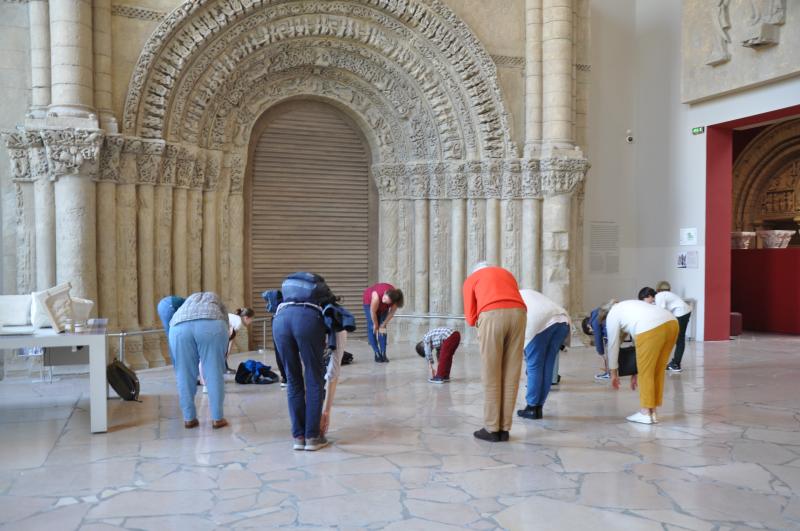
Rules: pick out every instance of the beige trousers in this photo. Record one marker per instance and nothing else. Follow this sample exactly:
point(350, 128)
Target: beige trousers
point(501, 334)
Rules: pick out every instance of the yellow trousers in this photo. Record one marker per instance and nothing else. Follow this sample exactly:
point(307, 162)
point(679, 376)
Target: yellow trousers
point(653, 349)
point(501, 334)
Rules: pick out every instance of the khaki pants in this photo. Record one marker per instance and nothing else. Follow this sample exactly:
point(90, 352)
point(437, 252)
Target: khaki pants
point(501, 334)
point(652, 354)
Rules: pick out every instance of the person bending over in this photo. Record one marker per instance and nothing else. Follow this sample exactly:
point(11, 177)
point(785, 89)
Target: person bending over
point(381, 301)
point(442, 342)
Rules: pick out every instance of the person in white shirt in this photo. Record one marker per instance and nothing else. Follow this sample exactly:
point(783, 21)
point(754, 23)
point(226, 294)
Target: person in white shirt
point(546, 329)
point(236, 321)
point(654, 331)
point(664, 298)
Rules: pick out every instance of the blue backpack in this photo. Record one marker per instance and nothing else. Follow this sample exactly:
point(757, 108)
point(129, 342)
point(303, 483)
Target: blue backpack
point(307, 287)
point(255, 372)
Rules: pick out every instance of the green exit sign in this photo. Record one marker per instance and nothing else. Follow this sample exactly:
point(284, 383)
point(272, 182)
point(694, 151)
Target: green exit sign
point(698, 130)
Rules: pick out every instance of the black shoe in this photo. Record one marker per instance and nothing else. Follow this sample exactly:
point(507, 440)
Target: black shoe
point(378, 358)
point(482, 434)
point(503, 435)
point(530, 412)
point(674, 367)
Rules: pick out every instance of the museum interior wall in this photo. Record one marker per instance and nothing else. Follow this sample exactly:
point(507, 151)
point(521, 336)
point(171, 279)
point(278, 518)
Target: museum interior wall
point(128, 169)
point(667, 164)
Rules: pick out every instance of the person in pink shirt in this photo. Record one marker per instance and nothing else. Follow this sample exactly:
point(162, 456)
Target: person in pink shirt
point(381, 301)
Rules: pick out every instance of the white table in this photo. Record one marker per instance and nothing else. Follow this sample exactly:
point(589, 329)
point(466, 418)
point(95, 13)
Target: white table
point(95, 340)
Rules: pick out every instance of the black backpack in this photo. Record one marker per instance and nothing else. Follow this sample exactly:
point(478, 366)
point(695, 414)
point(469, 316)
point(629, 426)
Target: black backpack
point(123, 380)
point(307, 287)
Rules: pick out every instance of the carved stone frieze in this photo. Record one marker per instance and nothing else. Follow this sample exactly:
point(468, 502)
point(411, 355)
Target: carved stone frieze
point(531, 185)
point(18, 143)
point(474, 171)
point(185, 167)
point(213, 169)
point(110, 158)
point(456, 180)
point(169, 165)
point(72, 151)
point(492, 177)
point(237, 172)
point(148, 161)
point(512, 179)
point(561, 175)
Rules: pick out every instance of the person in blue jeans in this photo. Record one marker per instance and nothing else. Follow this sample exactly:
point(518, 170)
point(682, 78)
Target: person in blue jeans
point(166, 309)
point(546, 329)
point(381, 301)
point(198, 333)
point(299, 332)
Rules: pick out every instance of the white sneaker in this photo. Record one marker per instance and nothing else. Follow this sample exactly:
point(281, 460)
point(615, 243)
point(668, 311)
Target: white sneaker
point(640, 418)
point(654, 418)
point(205, 389)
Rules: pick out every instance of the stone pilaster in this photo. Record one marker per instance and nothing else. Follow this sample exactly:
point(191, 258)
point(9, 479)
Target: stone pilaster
point(45, 213)
point(491, 188)
point(210, 247)
point(163, 233)
point(148, 165)
point(107, 229)
point(557, 73)
point(180, 223)
point(72, 76)
point(457, 192)
point(533, 77)
point(439, 244)
point(476, 215)
point(223, 216)
point(236, 233)
point(102, 42)
point(195, 223)
point(39, 19)
point(73, 156)
point(127, 260)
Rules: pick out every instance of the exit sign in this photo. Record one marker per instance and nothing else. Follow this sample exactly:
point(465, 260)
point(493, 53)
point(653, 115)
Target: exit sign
point(698, 130)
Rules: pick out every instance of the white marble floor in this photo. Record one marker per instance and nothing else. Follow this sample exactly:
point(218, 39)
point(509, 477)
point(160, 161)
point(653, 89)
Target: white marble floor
point(725, 456)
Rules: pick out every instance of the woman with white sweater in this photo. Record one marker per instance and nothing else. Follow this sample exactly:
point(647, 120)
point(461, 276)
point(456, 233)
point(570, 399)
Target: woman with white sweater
point(654, 331)
point(546, 329)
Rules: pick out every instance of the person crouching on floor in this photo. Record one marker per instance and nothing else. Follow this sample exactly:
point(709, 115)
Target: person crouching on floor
point(444, 341)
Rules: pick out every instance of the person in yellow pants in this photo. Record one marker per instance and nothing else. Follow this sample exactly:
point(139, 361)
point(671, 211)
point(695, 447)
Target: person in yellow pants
point(654, 331)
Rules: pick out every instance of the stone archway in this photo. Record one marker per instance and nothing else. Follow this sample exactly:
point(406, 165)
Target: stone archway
point(410, 73)
point(766, 180)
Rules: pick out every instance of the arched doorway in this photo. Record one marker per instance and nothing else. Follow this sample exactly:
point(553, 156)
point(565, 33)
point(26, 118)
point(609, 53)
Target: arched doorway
point(311, 204)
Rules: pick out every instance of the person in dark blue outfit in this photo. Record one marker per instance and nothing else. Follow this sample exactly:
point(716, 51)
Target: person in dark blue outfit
point(595, 326)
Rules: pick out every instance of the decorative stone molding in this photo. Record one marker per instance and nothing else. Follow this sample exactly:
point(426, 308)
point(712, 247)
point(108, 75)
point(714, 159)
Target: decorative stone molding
point(169, 165)
point(110, 158)
point(18, 143)
point(452, 77)
point(72, 151)
point(185, 167)
point(136, 12)
point(148, 161)
point(562, 175)
point(213, 169)
point(237, 173)
point(742, 240)
point(509, 61)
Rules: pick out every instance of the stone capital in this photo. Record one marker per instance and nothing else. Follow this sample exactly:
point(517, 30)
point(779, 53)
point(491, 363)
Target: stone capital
point(148, 161)
point(72, 151)
point(562, 175)
point(18, 143)
point(109, 158)
point(169, 165)
point(213, 170)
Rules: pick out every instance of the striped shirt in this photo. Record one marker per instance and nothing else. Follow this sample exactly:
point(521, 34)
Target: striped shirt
point(433, 340)
point(203, 305)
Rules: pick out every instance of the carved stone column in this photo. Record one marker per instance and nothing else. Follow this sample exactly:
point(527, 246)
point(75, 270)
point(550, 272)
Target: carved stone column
point(511, 216)
point(533, 77)
point(44, 202)
point(39, 19)
point(457, 192)
point(223, 220)
point(73, 156)
point(236, 234)
point(559, 179)
point(101, 14)
point(491, 187)
point(476, 215)
point(72, 84)
point(405, 251)
point(195, 224)
point(210, 248)
point(419, 191)
point(557, 70)
point(107, 229)
point(127, 270)
point(163, 234)
point(385, 178)
point(439, 230)
point(148, 164)
point(18, 144)
point(180, 223)
point(531, 227)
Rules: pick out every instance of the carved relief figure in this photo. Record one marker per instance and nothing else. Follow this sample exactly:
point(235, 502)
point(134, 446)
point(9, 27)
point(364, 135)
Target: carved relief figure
point(720, 39)
point(765, 17)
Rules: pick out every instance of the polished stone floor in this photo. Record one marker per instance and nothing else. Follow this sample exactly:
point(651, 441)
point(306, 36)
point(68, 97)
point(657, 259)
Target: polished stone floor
point(725, 456)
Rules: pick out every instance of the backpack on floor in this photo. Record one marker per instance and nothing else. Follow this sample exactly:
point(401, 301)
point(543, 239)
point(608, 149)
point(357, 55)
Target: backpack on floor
point(255, 372)
point(123, 380)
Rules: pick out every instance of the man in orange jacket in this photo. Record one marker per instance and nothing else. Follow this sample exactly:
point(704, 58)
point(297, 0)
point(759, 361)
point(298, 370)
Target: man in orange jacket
point(492, 303)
